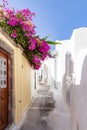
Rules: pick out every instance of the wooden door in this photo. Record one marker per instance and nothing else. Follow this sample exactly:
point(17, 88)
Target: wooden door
point(3, 90)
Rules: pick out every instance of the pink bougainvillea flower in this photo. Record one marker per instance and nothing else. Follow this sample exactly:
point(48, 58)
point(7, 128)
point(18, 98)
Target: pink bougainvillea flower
point(36, 59)
point(44, 56)
point(12, 21)
point(32, 44)
point(8, 13)
point(45, 47)
point(19, 26)
point(37, 66)
point(25, 14)
point(14, 34)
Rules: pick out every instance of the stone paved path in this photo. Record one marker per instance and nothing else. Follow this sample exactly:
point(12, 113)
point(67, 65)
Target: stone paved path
point(48, 112)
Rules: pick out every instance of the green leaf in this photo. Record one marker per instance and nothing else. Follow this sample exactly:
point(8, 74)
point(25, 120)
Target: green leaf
point(52, 42)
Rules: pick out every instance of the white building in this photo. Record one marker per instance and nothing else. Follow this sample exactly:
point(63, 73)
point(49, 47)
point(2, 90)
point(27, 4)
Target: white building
point(76, 45)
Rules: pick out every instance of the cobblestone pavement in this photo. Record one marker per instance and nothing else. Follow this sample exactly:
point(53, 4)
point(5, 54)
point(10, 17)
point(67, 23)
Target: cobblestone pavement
point(47, 112)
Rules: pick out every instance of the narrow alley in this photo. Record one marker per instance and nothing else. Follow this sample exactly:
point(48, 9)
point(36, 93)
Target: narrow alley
point(47, 112)
point(43, 65)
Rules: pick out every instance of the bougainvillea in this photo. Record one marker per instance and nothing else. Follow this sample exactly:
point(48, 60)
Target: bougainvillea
point(19, 26)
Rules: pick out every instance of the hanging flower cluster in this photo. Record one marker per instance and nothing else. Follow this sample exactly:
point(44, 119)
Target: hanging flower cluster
point(19, 26)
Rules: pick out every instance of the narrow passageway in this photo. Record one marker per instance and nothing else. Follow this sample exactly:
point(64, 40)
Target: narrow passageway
point(47, 112)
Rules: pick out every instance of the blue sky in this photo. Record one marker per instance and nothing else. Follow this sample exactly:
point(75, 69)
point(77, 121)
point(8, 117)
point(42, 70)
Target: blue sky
point(55, 17)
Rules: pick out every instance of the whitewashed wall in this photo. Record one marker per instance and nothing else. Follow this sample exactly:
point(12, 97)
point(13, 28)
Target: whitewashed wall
point(79, 89)
point(66, 46)
point(79, 100)
point(77, 45)
point(79, 39)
